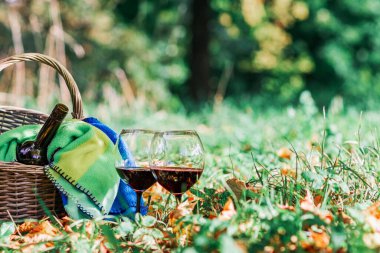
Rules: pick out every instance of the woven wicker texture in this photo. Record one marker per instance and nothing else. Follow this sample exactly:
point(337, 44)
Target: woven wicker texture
point(21, 186)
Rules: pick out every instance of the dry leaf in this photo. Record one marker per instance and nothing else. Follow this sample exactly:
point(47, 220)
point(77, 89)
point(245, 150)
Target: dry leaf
point(66, 221)
point(287, 207)
point(155, 193)
point(212, 215)
point(346, 219)
point(68, 229)
point(102, 246)
point(27, 226)
point(182, 232)
point(325, 215)
point(43, 232)
point(374, 210)
point(307, 203)
point(319, 242)
point(287, 170)
point(242, 245)
point(90, 229)
point(183, 209)
point(192, 197)
point(284, 153)
point(255, 189)
point(321, 239)
point(237, 186)
point(228, 210)
point(318, 200)
point(44, 227)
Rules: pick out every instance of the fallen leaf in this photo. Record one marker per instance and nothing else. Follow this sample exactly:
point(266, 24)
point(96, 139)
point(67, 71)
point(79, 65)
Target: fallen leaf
point(346, 219)
point(43, 232)
point(102, 246)
point(325, 215)
point(228, 210)
point(287, 207)
point(284, 153)
point(318, 242)
point(44, 227)
point(212, 215)
point(321, 239)
point(183, 209)
point(155, 193)
point(237, 186)
point(66, 221)
point(27, 226)
point(255, 189)
point(372, 218)
point(307, 203)
point(318, 200)
point(90, 229)
point(374, 210)
point(288, 171)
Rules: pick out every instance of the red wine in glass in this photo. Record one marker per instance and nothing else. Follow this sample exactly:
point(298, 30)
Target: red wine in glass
point(177, 159)
point(133, 166)
point(177, 180)
point(139, 178)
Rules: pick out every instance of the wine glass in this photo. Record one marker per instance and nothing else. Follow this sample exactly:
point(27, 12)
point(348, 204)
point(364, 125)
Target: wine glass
point(177, 159)
point(132, 160)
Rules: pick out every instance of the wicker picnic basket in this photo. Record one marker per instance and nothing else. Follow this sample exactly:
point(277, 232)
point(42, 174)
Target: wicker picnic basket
point(22, 187)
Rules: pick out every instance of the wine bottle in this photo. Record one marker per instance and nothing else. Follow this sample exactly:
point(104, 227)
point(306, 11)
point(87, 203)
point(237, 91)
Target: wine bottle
point(35, 152)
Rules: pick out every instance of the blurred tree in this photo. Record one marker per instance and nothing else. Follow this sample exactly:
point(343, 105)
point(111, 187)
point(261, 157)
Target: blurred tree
point(253, 36)
point(341, 37)
point(199, 82)
point(153, 49)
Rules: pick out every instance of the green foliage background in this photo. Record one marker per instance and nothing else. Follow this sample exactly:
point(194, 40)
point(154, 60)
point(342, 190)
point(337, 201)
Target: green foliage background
point(276, 49)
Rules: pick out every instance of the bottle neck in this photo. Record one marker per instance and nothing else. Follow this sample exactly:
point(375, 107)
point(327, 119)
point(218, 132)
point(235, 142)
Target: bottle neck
point(50, 128)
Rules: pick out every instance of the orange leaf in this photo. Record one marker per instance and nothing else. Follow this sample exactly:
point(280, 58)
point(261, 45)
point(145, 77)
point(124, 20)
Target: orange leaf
point(326, 216)
point(284, 153)
point(44, 227)
point(228, 210)
point(307, 203)
point(212, 216)
point(43, 232)
point(286, 207)
point(318, 200)
point(27, 226)
point(66, 220)
point(321, 239)
point(155, 192)
point(288, 171)
point(318, 242)
point(374, 210)
point(346, 219)
point(90, 229)
point(183, 209)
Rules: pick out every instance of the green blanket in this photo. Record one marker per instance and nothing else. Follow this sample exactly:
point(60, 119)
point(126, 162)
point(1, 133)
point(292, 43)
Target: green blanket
point(81, 165)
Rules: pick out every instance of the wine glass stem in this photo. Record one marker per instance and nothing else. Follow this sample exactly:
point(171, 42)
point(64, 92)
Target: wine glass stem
point(138, 204)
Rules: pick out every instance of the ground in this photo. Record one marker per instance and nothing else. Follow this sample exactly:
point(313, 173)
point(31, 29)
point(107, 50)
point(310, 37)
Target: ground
point(284, 180)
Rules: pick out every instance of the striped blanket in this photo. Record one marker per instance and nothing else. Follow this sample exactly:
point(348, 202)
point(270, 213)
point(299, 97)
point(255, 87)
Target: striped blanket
point(81, 166)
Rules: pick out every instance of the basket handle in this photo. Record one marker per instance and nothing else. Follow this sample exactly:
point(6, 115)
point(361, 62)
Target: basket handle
point(70, 82)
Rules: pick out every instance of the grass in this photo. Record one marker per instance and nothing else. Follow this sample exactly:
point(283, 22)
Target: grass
point(288, 180)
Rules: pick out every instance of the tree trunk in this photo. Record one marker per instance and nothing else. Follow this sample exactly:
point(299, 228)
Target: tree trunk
point(199, 83)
